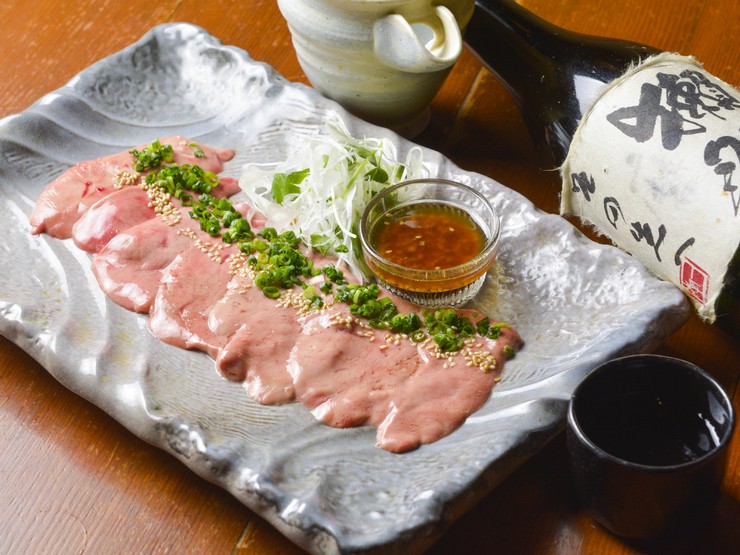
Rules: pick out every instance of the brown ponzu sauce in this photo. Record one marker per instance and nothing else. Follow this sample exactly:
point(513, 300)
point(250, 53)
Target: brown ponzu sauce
point(428, 236)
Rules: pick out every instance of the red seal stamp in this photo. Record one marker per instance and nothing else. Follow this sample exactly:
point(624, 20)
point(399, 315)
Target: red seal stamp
point(695, 280)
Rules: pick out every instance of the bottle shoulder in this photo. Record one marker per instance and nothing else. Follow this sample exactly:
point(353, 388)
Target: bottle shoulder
point(554, 75)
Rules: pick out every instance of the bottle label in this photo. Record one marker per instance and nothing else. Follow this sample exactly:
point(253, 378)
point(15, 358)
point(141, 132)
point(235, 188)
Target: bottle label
point(655, 166)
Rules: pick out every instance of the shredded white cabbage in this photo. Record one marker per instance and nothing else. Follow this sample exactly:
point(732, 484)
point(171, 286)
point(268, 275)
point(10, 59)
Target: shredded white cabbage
point(344, 173)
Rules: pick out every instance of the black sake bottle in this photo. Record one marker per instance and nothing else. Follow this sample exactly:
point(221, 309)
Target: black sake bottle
point(648, 152)
point(553, 74)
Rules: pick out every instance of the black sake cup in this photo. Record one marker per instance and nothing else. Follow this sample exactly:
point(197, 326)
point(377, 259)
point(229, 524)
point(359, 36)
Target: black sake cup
point(647, 437)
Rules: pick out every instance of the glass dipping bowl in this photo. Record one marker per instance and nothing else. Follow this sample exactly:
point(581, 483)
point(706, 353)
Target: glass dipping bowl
point(441, 285)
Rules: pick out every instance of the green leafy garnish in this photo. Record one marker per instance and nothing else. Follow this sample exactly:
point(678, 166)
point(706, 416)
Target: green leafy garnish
point(377, 174)
point(321, 243)
point(284, 184)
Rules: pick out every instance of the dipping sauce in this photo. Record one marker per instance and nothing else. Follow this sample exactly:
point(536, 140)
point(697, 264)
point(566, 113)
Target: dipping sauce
point(430, 241)
point(428, 236)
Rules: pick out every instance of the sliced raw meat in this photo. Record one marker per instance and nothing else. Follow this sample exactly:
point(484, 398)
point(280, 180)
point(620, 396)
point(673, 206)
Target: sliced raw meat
point(190, 287)
point(67, 198)
point(261, 336)
point(110, 216)
point(129, 268)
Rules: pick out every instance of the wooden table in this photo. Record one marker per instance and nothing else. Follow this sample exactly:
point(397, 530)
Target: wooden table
point(72, 480)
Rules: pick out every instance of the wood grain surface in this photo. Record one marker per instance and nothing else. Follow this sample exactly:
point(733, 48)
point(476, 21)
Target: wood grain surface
point(72, 480)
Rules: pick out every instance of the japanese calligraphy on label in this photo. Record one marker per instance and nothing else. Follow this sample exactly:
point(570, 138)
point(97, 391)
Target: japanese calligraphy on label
point(655, 166)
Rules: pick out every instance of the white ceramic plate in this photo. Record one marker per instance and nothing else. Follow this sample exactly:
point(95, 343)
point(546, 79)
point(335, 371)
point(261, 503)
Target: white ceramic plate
point(575, 303)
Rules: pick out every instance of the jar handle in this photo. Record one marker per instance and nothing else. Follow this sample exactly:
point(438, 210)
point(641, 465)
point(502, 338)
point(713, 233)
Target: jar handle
point(397, 45)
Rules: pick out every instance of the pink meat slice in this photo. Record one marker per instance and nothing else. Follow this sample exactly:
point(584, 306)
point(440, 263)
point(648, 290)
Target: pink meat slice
point(129, 268)
point(403, 390)
point(227, 186)
point(438, 398)
point(67, 198)
point(344, 378)
point(110, 216)
point(190, 286)
point(261, 336)
point(433, 403)
point(123, 209)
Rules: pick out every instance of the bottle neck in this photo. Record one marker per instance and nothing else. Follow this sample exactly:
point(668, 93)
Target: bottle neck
point(553, 74)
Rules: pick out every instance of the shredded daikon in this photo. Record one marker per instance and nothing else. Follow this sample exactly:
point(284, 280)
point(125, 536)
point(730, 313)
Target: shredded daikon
point(321, 193)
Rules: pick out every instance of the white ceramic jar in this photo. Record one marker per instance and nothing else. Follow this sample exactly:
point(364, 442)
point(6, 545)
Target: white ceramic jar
point(383, 60)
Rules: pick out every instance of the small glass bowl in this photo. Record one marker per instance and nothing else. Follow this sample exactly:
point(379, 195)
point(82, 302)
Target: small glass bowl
point(441, 286)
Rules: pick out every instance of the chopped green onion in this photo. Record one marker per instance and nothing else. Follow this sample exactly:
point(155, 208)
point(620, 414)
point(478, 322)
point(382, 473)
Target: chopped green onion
point(152, 156)
point(197, 151)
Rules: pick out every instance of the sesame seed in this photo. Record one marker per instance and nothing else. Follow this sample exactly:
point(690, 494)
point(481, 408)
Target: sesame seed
point(123, 179)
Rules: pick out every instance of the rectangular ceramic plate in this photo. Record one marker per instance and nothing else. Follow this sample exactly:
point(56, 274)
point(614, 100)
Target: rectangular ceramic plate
point(575, 303)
